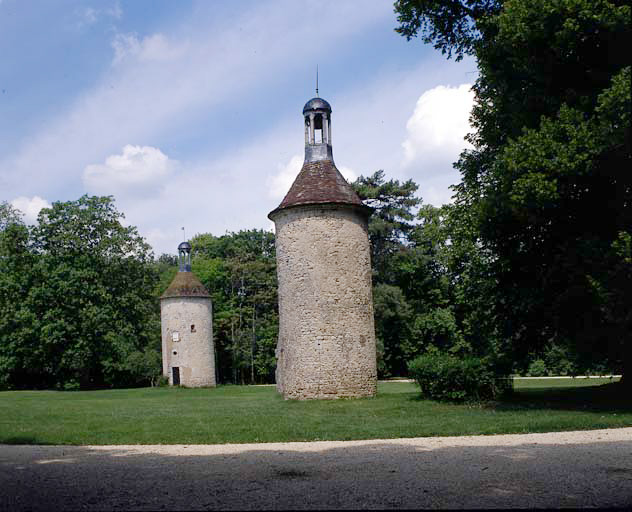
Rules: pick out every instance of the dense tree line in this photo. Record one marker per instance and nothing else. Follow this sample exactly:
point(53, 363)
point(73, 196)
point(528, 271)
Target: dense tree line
point(545, 193)
point(529, 270)
point(77, 299)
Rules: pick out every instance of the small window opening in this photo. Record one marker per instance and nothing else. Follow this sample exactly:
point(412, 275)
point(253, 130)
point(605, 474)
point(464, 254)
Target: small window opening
point(192, 328)
point(175, 352)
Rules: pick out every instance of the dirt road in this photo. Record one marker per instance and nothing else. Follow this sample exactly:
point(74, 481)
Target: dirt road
point(569, 469)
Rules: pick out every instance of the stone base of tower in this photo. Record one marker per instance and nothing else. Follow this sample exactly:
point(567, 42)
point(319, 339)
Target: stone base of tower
point(326, 346)
point(302, 381)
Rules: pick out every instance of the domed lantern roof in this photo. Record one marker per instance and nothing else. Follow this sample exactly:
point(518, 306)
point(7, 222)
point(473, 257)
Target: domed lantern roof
point(316, 104)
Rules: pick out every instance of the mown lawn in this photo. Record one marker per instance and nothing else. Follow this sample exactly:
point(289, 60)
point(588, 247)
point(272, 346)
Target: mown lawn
point(241, 414)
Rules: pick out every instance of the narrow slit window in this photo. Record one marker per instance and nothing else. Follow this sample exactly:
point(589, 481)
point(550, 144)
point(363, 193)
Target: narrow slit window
point(192, 328)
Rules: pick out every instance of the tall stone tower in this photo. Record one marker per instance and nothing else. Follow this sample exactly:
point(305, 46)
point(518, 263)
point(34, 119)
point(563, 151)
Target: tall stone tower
point(188, 355)
point(326, 346)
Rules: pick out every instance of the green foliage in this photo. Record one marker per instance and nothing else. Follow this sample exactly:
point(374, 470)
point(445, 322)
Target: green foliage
point(412, 287)
point(239, 270)
point(443, 376)
point(76, 300)
point(450, 26)
point(542, 213)
point(393, 203)
point(537, 369)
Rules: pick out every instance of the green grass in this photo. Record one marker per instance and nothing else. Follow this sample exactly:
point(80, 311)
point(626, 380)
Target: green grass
point(240, 414)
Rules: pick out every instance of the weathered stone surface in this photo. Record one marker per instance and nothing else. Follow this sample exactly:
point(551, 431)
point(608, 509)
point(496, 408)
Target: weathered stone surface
point(194, 354)
point(326, 346)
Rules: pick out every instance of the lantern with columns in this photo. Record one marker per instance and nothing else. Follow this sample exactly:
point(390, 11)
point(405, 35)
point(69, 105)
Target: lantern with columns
point(317, 113)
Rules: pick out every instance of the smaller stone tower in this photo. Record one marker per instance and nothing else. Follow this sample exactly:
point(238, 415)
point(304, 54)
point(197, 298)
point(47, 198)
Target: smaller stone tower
point(188, 354)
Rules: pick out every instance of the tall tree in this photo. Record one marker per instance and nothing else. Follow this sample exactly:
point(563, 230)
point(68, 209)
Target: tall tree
point(90, 318)
point(17, 323)
point(393, 204)
point(546, 186)
point(239, 270)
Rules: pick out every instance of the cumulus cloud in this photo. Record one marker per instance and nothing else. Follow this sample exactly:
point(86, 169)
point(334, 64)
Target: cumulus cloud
point(30, 207)
point(279, 184)
point(138, 170)
point(439, 123)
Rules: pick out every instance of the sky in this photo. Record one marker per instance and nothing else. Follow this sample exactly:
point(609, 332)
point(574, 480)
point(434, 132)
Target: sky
point(190, 112)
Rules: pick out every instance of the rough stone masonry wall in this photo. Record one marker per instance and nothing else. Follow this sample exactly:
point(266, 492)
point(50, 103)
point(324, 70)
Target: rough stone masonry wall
point(326, 346)
point(194, 354)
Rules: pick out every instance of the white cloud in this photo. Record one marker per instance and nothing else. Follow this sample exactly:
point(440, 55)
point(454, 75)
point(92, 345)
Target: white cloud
point(185, 90)
point(138, 169)
point(439, 123)
point(144, 98)
point(155, 47)
point(89, 15)
point(279, 184)
point(30, 207)
point(349, 174)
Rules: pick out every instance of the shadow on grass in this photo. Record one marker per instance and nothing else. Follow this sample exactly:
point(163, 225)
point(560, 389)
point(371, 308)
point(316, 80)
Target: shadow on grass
point(603, 398)
point(22, 440)
point(600, 398)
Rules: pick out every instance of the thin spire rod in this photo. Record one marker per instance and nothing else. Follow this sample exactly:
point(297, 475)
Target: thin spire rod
point(184, 237)
point(316, 80)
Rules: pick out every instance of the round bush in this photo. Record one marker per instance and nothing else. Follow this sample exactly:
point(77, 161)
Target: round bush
point(446, 377)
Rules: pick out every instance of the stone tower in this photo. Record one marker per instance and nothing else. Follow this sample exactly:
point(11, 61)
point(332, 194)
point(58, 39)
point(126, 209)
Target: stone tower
point(188, 355)
point(326, 346)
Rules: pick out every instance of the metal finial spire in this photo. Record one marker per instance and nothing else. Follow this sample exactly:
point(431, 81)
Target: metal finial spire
point(184, 237)
point(316, 80)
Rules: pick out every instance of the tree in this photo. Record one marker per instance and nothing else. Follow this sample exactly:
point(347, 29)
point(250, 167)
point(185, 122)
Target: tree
point(239, 270)
point(451, 26)
point(411, 291)
point(87, 304)
point(17, 322)
point(393, 203)
point(545, 190)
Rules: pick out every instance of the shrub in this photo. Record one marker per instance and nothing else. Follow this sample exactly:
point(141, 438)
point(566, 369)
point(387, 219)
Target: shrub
point(160, 381)
point(537, 369)
point(447, 377)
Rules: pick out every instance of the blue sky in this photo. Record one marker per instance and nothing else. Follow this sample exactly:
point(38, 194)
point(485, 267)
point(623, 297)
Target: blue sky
point(189, 113)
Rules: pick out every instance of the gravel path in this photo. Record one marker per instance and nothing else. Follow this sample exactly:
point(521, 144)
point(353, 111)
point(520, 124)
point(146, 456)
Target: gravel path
point(553, 470)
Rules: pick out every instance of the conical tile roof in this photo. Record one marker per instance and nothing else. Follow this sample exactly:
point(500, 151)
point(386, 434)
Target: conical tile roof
point(185, 284)
point(320, 183)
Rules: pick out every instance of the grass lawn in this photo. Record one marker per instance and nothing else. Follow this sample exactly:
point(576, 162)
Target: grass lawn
point(241, 414)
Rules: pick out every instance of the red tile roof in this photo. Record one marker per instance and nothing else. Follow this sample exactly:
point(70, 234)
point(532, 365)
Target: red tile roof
point(319, 183)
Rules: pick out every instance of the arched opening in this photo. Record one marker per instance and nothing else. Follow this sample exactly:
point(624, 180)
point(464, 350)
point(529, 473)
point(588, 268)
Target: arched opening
point(318, 129)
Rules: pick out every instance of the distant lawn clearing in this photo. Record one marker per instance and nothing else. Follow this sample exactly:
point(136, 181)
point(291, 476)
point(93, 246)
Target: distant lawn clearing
point(245, 414)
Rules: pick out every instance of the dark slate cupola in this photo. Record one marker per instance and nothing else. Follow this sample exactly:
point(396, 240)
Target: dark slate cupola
point(319, 182)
